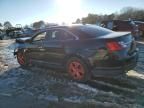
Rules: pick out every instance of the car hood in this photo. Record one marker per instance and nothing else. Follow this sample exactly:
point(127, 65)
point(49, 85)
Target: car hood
point(22, 40)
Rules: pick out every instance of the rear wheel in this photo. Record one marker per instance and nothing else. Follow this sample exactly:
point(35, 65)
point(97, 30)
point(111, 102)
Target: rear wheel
point(77, 69)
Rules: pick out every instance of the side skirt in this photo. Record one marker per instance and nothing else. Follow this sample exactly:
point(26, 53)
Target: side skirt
point(44, 64)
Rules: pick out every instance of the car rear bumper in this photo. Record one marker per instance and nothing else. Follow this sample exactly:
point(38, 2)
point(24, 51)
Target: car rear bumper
point(114, 68)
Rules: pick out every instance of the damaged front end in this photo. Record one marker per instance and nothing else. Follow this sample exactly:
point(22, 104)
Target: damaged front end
point(21, 43)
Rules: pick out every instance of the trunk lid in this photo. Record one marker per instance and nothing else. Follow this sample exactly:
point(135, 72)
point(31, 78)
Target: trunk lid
point(114, 35)
point(120, 42)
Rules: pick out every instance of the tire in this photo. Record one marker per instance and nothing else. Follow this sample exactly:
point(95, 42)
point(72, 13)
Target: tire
point(21, 58)
point(78, 69)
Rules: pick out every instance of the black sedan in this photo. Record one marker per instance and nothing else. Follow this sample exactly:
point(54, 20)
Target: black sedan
point(82, 50)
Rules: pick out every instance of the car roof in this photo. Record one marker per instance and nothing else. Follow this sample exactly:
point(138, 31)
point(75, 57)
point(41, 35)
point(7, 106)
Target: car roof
point(74, 26)
point(68, 26)
point(81, 30)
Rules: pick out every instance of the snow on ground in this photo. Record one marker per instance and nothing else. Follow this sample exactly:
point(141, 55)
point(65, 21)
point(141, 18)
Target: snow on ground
point(45, 88)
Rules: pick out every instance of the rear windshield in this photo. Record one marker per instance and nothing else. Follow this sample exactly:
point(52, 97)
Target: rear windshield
point(89, 31)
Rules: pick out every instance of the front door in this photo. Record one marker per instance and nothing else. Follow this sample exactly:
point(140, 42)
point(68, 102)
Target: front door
point(54, 48)
point(36, 50)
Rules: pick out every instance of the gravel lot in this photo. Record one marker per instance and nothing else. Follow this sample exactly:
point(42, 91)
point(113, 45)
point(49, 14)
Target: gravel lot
point(45, 88)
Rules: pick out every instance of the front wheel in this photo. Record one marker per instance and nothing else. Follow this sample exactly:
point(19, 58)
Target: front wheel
point(21, 58)
point(77, 69)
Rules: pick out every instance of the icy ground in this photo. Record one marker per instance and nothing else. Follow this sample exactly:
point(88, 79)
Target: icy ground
point(45, 88)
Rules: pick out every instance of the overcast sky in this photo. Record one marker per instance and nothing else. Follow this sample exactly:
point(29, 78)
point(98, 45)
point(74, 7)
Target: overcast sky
point(57, 11)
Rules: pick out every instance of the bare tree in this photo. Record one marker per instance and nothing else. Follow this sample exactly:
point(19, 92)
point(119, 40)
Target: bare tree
point(78, 21)
point(1, 25)
point(130, 12)
point(39, 24)
point(7, 25)
point(125, 14)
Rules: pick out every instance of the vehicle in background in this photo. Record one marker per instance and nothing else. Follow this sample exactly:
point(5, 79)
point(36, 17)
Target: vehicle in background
point(11, 32)
point(82, 50)
point(135, 27)
point(140, 27)
point(18, 31)
point(1, 35)
point(1, 32)
point(27, 32)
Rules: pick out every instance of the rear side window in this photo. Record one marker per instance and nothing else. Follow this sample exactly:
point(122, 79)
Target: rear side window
point(89, 31)
point(59, 35)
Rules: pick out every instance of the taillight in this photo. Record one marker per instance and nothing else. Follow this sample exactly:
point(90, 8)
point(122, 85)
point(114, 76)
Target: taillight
point(114, 46)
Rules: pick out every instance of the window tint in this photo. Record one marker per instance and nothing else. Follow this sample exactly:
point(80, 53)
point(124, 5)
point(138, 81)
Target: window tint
point(52, 35)
point(59, 35)
point(67, 36)
point(89, 31)
point(40, 36)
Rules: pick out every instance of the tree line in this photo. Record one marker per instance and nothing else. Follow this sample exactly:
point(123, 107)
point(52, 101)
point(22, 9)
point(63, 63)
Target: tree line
point(35, 25)
point(6, 24)
point(124, 14)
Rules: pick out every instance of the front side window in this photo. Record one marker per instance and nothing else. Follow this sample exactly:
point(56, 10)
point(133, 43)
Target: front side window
point(40, 36)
